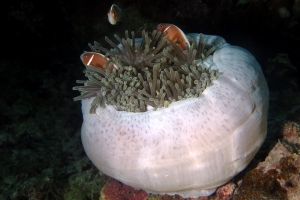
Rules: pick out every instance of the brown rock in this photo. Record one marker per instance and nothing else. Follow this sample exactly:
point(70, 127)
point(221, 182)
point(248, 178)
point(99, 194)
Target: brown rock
point(114, 190)
point(278, 176)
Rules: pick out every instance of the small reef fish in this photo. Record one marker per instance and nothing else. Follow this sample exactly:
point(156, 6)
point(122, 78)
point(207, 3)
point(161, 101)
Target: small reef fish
point(96, 60)
point(114, 14)
point(175, 34)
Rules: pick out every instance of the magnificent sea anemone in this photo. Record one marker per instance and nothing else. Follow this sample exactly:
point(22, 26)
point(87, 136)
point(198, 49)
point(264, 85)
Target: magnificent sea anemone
point(172, 120)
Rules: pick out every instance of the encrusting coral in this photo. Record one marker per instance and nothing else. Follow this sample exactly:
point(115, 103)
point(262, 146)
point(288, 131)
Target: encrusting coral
point(152, 72)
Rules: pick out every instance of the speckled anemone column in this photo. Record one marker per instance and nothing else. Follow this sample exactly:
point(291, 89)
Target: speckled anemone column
point(192, 146)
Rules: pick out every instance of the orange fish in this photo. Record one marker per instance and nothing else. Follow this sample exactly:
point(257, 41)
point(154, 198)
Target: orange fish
point(175, 34)
point(96, 60)
point(114, 14)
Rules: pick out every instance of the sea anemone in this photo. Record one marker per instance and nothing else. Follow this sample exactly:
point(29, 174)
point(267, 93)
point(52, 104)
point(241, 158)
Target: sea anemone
point(152, 73)
point(173, 121)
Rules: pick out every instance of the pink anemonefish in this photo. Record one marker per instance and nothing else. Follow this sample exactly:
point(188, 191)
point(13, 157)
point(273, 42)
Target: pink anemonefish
point(114, 14)
point(96, 60)
point(175, 34)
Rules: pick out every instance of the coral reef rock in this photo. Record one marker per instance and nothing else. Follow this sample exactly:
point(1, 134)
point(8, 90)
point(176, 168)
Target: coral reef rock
point(278, 176)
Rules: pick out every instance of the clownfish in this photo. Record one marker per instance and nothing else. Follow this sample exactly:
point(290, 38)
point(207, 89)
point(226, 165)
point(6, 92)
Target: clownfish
point(114, 14)
point(96, 60)
point(175, 34)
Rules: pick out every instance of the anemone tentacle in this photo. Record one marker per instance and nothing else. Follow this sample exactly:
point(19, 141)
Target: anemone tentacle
point(152, 73)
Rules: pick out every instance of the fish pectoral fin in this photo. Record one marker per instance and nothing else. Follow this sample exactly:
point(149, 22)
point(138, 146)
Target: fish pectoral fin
point(178, 41)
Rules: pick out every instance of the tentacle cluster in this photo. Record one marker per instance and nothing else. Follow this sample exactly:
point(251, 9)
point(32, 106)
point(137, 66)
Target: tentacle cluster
point(152, 73)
